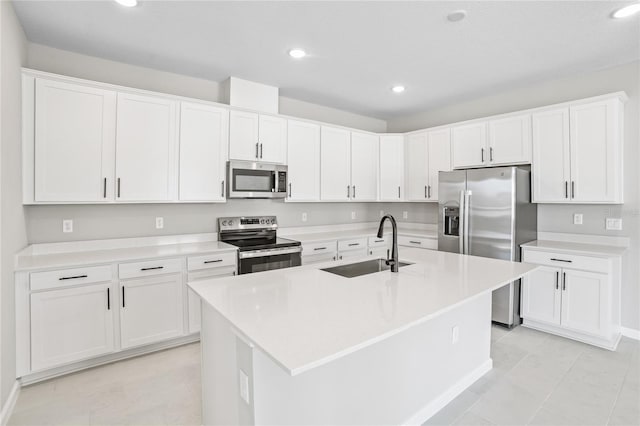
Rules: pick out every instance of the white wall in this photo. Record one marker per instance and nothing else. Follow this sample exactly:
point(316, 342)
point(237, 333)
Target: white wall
point(558, 218)
point(12, 221)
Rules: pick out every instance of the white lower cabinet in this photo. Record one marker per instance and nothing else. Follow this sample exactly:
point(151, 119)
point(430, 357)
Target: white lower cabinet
point(71, 324)
point(150, 309)
point(583, 304)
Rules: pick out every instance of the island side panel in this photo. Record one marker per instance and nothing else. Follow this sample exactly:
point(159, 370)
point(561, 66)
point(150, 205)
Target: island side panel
point(404, 379)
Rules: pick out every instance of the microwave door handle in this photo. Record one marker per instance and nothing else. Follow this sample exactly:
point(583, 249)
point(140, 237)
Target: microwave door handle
point(274, 181)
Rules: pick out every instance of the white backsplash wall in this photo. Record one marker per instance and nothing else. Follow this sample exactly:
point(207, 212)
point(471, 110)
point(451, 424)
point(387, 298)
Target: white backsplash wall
point(91, 222)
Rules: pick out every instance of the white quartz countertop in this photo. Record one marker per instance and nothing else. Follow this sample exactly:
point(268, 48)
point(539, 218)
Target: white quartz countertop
point(575, 248)
point(355, 233)
point(303, 317)
point(25, 262)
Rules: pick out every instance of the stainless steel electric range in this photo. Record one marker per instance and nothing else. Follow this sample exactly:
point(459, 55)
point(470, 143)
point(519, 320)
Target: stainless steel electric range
point(259, 248)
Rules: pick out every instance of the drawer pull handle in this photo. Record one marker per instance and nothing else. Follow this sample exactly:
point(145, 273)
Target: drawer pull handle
point(561, 260)
point(379, 241)
point(212, 261)
point(319, 248)
point(75, 277)
point(354, 244)
point(152, 268)
point(415, 242)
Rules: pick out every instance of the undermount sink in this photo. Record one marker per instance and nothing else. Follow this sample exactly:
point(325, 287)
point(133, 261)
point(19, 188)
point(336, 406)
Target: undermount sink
point(362, 268)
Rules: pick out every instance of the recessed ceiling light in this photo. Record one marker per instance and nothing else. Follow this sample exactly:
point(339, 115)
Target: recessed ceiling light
point(127, 3)
point(457, 15)
point(397, 89)
point(626, 11)
point(297, 53)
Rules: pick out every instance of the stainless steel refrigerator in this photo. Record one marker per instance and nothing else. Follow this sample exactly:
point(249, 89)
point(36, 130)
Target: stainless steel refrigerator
point(488, 212)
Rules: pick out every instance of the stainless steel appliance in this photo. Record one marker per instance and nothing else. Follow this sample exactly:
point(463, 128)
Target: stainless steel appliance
point(488, 213)
point(250, 179)
point(259, 248)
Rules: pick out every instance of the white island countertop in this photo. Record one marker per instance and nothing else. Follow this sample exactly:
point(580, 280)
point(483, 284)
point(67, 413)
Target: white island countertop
point(303, 317)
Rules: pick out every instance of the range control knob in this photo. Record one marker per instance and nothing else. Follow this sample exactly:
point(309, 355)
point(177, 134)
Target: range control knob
point(230, 223)
point(262, 221)
point(224, 223)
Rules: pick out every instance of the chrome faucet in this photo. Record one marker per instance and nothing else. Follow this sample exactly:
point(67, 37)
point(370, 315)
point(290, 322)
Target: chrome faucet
point(393, 262)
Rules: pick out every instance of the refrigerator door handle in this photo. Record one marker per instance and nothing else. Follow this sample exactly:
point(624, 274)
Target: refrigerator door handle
point(461, 224)
point(467, 207)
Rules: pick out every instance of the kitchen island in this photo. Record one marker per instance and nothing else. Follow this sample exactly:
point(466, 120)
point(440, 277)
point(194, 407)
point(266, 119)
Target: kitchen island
point(305, 346)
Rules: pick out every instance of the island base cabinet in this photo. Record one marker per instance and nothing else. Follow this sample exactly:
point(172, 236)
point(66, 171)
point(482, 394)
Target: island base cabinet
point(150, 309)
point(401, 379)
point(70, 325)
point(193, 300)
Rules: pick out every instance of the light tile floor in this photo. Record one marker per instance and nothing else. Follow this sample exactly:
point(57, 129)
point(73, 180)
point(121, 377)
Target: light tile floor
point(538, 379)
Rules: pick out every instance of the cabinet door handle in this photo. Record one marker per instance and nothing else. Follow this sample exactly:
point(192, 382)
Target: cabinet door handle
point(108, 299)
point(425, 191)
point(104, 188)
point(398, 192)
point(348, 191)
point(118, 187)
point(573, 189)
point(260, 150)
point(557, 280)
point(354, 191)
point(289, 189)
point(75, 277)
point(564, 281)
point(566, 189)
point(212, 261)
point(257, 144)
point(340, 257)
point(429, 191)
point(152, 268)
point(123, 304)
point(482, 155)
point(491, 154)
point(561, 260)
point(222, 192)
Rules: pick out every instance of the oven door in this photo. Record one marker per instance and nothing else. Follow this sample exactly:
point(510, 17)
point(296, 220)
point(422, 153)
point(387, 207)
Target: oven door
point(266, 260)
point(249, 179)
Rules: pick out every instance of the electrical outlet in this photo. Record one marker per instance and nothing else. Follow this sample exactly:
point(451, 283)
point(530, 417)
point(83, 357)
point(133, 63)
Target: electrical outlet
point(405, 215)
point(159, 222)
point(244, 386)
point(304, 217)
point(353, 215)
point(67, 225)
point(613, 224)
point(455, 334)
point(577, 219)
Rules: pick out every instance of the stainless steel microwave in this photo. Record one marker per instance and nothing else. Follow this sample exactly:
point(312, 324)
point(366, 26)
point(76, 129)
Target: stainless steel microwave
point(251, 179)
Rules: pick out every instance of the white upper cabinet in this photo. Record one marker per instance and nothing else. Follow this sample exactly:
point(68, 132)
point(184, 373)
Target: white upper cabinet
point(439, 159)
point(272, 135)
point(204, 136)
point(510, 140)
point(427, 154)
point(364, 166)
point(335, 164)
point(596, 152)
point(469, 145)
point(74, 142)
point(577, 153)
point(303, 159)
point(391, 168)
point(551, 158)
point(146, 149)
point(257, 137)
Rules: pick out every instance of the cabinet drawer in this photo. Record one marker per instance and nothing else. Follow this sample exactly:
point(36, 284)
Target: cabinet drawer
point(379, 242)
point(562, 260)
point(312, 249)
point(353, 244)
point(417, 242)
point(67, 277)
point(319, 258)
point(213, 260)
point(148, 268)
point(205, 274)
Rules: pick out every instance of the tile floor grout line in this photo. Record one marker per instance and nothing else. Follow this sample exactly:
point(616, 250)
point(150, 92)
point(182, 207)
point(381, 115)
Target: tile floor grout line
point(555, 387)
point(613, 406)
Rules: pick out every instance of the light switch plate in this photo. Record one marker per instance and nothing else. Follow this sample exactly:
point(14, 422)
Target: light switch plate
point(577, 219)
point(353, 215)
point(159, 222)
point(304, 217)
point(613, 224)
point(405, 215)
point(67, 225)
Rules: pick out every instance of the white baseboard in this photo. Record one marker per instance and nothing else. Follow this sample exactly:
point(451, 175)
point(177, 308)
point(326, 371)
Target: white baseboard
point(631, 333)
point(449, 395)
point(10, 403)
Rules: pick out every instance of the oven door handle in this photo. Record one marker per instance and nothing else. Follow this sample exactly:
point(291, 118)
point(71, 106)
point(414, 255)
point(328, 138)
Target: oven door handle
point(269, 252)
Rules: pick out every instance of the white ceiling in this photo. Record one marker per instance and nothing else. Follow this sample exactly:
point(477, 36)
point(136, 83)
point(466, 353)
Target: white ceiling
point(357, 50)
